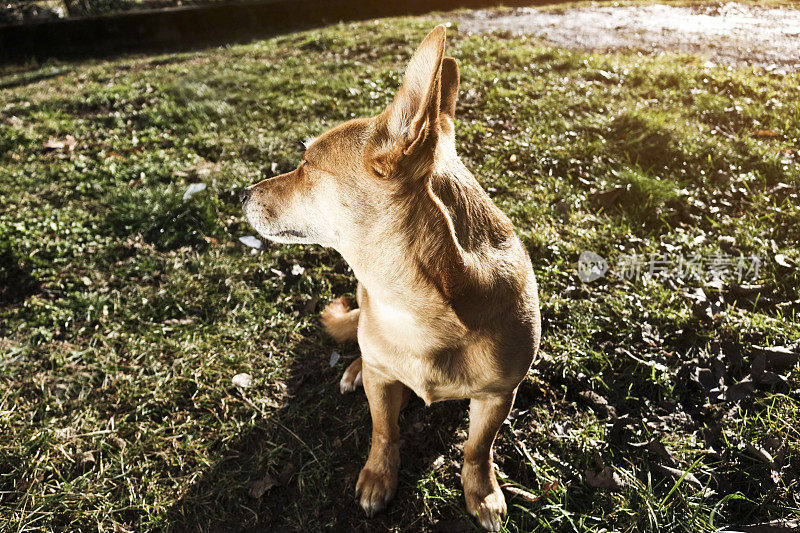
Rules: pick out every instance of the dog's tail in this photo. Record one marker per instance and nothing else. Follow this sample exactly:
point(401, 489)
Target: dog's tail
point(339, 321)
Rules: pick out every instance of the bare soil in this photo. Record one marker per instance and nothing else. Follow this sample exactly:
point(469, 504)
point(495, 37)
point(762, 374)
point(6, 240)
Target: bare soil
point(726, 33)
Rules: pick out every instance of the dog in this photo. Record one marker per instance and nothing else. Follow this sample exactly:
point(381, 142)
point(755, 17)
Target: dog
point(447, 299)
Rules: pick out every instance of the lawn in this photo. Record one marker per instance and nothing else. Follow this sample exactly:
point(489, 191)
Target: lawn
point(125, 310)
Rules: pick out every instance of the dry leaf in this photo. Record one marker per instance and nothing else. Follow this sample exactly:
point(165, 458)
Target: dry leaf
point(116, 441)
point(759, 453)
point(783, 261)
point(607, 198)
point(252, 242)
point(242, 380)
point(764, 133)
point(200, 170)
point(740, 390)
point(605, 479)
point(676, 474)
point(599, 404)
point(286, 474)
point(86, 459)
point(658, 448)
point(67, 144)
point(777, 357)
point(516, 491)
point(778, 526)
point(193, 189)
point(179, 321)
point(257, 488)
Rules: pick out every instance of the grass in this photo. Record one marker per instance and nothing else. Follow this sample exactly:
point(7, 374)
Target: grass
point(125, 311)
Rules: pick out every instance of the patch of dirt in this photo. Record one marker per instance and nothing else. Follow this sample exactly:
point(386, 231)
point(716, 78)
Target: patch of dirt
point(728, 33)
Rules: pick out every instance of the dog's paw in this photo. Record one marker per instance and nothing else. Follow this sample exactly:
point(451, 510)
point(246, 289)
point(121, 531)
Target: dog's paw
point(374, 490)
point(490, 510)
point(351, 379)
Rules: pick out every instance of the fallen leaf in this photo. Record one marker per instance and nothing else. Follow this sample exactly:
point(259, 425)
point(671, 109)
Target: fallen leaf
point(759, 453)
point(193, 189)
point(286, 474)
point(179, 321)
point(607, 198)
point(67, 144)
point(311, 305)
point(252, 242)
point(334, 358)
point(516, 491)
point(721, 177)
point(200, 170)
point(599, 404)
point(747, 290)
point(727, 243)
point(676, 474)
point(764, 133)
point(86, 459)
point(777, 357)
point(258, 488)
point(739, 390)
point(116, 441)
point(242, 380)
point(605, 479)
point(783, 261)
point(769, 378)
point(760, 375)
point(658, 448)
point(778, 526)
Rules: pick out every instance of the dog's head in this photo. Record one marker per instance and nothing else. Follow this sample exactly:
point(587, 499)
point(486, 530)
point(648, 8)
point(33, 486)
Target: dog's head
point(358, 174)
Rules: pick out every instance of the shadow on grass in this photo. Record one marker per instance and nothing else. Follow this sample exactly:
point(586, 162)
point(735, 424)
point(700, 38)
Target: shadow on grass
point(16, 280)
point(313, 447)
point(25, 78)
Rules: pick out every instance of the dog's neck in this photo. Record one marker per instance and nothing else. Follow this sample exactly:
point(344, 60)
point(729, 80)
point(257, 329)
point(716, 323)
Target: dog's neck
point(448, 241)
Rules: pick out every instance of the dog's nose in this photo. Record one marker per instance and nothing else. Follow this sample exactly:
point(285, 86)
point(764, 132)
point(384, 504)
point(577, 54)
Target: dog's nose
point(244, 195)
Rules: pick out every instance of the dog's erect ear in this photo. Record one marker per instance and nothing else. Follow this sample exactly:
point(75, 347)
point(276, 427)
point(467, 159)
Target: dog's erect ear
point(413, 115)
point(449, 83)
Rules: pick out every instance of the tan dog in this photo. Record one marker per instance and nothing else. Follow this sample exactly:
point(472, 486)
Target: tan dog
point(448, 300)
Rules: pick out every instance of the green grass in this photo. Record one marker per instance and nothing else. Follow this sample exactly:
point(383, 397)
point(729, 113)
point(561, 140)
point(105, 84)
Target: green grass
point(125, 311)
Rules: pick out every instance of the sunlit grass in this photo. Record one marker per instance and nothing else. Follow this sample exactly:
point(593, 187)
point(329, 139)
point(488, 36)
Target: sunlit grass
point(126, 310)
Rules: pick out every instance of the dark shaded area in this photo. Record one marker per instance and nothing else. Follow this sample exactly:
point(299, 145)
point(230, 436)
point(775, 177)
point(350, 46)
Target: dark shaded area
point(27, 79)
point(196, 26)
point(16, 281)
point(313, 455)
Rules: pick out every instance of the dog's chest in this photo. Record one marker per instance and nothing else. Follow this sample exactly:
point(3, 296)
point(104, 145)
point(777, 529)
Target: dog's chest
point(426, 351)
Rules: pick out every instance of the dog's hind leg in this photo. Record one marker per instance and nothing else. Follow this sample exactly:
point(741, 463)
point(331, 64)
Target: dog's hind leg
point(352, 377)
point(484, 498)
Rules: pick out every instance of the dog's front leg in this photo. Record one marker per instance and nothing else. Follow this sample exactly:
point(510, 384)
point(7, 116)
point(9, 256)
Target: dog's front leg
point(377, 482)
point(484, 498)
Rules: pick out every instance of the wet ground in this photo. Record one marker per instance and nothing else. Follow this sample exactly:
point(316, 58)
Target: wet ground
point(726, 33)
